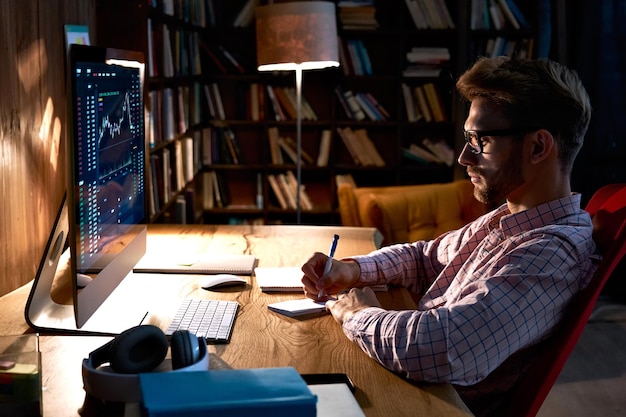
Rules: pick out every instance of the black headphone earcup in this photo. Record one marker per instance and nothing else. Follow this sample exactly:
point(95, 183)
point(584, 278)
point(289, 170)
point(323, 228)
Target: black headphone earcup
point(185, 349)
point(138, 349)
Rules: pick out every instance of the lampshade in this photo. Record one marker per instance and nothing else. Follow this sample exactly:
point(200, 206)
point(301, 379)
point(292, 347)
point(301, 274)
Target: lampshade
point(297, 34)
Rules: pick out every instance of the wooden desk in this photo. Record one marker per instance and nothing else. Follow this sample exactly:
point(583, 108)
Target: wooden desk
point(260, 338)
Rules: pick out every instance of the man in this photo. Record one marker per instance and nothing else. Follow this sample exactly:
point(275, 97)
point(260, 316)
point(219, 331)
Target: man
point(493, 289)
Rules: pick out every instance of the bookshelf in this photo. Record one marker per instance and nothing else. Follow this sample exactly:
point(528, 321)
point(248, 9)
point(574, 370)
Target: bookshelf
point(400, 70)
point(168, 36)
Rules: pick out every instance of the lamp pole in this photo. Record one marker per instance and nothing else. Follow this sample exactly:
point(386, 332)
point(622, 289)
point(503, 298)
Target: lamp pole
point(298, 140)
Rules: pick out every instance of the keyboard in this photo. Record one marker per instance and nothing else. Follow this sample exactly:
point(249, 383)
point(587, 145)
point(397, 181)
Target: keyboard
point(211, 319)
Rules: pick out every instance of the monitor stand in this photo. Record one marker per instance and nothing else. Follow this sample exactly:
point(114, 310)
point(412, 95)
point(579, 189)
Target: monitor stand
point(51, 304)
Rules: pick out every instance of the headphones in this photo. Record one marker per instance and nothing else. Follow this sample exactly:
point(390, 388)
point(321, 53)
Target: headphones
point(138, 350)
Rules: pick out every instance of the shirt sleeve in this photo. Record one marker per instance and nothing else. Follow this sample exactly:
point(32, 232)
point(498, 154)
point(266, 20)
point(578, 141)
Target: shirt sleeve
point(412, 265)
point(498, 310)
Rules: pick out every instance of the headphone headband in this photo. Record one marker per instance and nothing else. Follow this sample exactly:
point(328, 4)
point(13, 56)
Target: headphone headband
point(104, 383)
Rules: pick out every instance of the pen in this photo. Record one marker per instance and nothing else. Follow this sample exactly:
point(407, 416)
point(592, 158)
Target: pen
point(329, 261)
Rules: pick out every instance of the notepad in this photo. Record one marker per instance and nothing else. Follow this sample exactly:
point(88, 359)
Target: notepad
point(283, 279)
point(297, 308)
point(239, 264)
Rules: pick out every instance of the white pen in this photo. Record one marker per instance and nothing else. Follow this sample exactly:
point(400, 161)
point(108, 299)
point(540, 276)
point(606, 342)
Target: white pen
point(329, 261)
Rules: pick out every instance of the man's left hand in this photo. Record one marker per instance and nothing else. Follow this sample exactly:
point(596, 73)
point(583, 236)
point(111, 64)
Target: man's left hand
point(349, 303)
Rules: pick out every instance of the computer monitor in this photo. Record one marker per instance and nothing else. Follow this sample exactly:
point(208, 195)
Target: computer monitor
point(100, 230)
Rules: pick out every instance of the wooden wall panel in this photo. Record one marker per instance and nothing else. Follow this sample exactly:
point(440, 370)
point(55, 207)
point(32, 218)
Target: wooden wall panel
point(32, 127)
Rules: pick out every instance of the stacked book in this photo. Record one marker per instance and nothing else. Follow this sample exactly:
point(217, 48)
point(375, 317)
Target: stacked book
point(431, 151)
point(426, 61)
point(357, 15)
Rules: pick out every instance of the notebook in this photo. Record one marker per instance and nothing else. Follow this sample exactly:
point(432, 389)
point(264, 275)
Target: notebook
point(238, 264)
point(260, 392)
point(297, 308)
point(284, 279)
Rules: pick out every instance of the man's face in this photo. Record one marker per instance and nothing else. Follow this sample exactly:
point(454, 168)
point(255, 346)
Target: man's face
point(498, 170)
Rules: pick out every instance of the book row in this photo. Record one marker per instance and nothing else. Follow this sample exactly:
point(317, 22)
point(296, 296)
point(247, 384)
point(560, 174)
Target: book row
point(285, 148)
point(283, 102)
point(218, 191)
point(361, 147)
point(173, 51)
point(501, 46)
point(283, 186)
point(175, 167)
point(209, 13)
point(425, 14)
point(423, 103)
point(430, 14)
point(354, 59)
point(497, 14)
point(361, 105)
point(171, 170)
point(218, 144)
point(172, 110)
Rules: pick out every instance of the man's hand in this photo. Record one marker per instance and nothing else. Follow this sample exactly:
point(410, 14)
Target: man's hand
point(342, 276)
point(349, 303)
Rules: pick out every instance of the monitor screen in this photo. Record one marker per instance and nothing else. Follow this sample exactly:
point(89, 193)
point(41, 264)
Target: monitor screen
point(108, 155)
point(100, 230)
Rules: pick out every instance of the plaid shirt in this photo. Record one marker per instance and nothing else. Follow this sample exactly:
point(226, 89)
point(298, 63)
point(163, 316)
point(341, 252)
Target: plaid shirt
point(492, 288)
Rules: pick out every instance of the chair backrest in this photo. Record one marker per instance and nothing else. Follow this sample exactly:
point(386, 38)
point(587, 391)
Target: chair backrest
point(608, 210)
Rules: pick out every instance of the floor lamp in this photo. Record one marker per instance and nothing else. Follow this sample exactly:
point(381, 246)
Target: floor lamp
point(297, 36)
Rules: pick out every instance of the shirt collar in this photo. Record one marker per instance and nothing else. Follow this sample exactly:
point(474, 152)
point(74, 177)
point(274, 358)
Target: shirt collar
point(538, 216)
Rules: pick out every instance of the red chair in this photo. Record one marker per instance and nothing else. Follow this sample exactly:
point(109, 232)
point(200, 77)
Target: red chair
point(608, 211)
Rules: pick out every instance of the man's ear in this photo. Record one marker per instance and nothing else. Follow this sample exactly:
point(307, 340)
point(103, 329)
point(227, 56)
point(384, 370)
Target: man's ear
point(542, 145)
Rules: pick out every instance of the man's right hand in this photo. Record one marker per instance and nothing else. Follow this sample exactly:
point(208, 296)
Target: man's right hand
point(343, 275)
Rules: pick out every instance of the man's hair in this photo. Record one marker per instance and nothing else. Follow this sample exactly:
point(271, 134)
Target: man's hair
point(534, 93)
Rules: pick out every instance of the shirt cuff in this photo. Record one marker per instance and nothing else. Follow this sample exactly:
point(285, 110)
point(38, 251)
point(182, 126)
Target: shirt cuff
point(357, 322)
point(369, 273)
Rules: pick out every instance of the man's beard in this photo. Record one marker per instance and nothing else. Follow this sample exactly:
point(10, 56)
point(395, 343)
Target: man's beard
point(501, 183)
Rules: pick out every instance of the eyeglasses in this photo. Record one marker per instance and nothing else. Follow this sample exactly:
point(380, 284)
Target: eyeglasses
point(473, 137)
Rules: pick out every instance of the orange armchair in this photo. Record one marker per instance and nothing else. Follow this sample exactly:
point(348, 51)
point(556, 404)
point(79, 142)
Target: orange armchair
point(408, 213)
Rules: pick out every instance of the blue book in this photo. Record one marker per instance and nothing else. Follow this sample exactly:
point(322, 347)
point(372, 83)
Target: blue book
point(275, 392)
point(521, 19)
point(364, 57)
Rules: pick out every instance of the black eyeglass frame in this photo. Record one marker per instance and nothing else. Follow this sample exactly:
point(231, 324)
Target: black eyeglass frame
point(496, 132)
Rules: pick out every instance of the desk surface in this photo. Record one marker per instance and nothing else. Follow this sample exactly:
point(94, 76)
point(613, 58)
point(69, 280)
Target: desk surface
point(260, 338)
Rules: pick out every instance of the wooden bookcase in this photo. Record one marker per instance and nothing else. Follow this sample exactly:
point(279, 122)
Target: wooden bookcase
point(246, 193)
